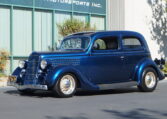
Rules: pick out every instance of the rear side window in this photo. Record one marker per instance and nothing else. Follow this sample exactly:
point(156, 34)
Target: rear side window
point(131, 43)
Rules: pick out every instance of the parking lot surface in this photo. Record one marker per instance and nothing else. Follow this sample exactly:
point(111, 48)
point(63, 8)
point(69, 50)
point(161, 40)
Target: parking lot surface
point(126, 103)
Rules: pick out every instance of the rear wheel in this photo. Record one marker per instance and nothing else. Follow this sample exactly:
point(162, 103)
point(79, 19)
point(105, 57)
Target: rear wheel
point(66, 86)
point(149, 80)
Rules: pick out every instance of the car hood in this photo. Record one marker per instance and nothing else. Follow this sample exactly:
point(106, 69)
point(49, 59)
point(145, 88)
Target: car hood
point(44, 55)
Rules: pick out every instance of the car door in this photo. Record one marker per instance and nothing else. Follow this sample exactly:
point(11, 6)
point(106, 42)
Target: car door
point(133, 52)
point(106, 60)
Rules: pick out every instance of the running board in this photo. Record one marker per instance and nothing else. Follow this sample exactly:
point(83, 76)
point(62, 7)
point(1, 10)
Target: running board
point(117, 85)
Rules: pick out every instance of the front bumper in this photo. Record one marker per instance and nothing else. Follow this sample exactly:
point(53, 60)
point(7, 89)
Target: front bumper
point(23, 87)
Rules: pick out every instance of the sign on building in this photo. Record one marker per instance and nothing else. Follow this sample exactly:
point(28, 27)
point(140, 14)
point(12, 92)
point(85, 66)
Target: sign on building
point(88, 6)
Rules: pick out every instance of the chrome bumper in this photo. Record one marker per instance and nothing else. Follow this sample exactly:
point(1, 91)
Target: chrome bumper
point(23, 87)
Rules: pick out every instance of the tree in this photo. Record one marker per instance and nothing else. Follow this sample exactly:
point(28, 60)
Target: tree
point(74, 25)
point(158, 26)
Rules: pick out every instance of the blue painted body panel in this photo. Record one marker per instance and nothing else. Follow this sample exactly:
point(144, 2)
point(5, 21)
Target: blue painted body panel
point(91, 67)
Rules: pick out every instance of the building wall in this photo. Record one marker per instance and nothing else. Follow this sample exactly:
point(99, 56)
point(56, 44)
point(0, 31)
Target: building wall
point(5, 30)
point(35, 29)
point(116, 14)
point(138, 16)
point(145, 16)
point(31, 25)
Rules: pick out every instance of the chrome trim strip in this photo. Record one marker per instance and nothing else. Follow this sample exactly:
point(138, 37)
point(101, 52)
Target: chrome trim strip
point(117, 85)
point(22, 87)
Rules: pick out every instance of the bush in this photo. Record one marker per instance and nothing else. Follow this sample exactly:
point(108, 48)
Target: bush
point(3, 61)
point(165, 69)
point(72, 26)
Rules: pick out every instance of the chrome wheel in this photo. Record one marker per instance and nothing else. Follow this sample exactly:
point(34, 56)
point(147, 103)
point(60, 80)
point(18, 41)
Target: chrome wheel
point(67, 84)
point(150, 79)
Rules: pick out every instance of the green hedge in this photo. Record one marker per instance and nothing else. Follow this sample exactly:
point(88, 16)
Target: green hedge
point(165, 68)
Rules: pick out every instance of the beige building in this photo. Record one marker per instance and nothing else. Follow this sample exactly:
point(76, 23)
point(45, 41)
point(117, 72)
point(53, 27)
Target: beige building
point(145, 16)
point(30, 25)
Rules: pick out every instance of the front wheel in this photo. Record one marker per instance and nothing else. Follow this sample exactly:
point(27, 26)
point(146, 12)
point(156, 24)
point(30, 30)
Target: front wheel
point(66, 86)
point(149, 80)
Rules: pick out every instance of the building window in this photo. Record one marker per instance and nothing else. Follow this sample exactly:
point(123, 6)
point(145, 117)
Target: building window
point(59, 19)
point(43, 31)
point(5, 29)
point(22, 32)
point(82, 18)
point(15, 63)
point(98, 22)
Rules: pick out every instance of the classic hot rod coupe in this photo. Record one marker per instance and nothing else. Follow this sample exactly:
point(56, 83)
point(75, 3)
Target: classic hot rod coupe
point(90, 61)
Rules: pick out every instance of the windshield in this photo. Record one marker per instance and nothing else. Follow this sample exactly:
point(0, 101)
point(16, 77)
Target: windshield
point(75, 43)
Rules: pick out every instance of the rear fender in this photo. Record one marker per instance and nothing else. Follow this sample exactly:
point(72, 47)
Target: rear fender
point(144, 64)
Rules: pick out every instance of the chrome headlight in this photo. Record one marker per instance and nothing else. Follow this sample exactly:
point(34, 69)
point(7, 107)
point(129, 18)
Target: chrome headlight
point(22, 64)
point(22, 73)
point(43, 64)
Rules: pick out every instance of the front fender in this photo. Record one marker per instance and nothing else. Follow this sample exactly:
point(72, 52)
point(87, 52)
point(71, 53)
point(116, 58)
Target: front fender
point(16, 71)
point(144, 64)
point(55, 73)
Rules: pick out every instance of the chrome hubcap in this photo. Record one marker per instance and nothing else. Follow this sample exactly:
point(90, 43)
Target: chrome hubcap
point(67, 84)
point(150, 79)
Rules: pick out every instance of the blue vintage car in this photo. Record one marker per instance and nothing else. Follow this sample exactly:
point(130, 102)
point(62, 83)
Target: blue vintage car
point(90, 61)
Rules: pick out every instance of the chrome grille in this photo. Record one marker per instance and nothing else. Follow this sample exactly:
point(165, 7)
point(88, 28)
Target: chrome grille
point(32, 68)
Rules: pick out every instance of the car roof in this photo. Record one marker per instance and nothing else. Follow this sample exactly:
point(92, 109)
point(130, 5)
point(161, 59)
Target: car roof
point(103, 33)
point(93, 33)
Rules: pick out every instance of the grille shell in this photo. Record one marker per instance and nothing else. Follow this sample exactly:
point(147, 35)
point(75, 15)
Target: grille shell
point(31, 75)
point(32, 70)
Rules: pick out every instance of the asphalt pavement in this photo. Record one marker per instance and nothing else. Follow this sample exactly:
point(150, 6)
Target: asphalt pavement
point(126, 103)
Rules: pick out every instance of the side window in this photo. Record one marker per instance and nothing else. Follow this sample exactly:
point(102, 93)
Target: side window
point(131, 43)
point(106, 43)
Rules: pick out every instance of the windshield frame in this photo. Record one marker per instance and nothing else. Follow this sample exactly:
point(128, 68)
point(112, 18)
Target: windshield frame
point(77, 36)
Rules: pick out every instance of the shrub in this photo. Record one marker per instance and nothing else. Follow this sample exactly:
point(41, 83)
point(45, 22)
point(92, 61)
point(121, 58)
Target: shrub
point(3, 61)
point(165, 69)
point(74, 25)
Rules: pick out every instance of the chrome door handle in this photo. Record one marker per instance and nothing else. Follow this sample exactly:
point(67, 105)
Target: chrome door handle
point(122, 57)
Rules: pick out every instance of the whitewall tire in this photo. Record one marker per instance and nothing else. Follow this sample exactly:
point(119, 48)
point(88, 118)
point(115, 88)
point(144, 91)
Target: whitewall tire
point(66, 85)
point(149, 80)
